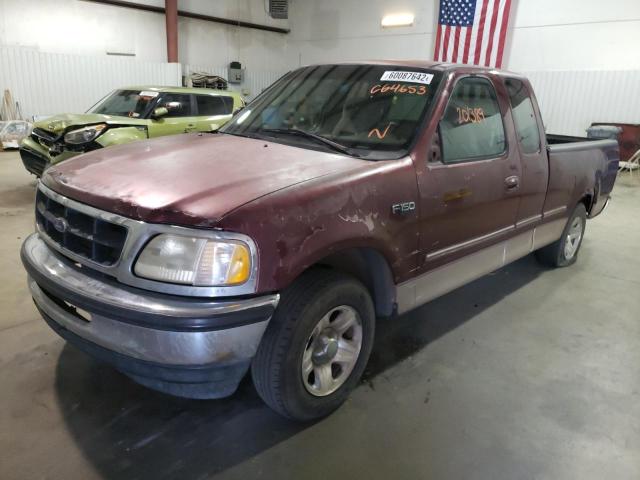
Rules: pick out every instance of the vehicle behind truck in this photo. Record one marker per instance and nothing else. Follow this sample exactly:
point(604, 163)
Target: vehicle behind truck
point(127, 115)
point(343, 193)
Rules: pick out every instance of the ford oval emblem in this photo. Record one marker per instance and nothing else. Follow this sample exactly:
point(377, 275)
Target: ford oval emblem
point(60, 224)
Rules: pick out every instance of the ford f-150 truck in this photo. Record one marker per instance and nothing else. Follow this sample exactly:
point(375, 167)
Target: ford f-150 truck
point(127, 115)
point(343, 193)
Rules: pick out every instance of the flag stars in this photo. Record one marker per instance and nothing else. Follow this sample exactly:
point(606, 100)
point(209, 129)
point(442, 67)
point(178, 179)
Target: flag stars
point(457, 13)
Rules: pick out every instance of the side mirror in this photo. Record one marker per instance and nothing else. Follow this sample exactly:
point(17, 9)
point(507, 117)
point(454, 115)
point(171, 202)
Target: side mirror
point(159, 112)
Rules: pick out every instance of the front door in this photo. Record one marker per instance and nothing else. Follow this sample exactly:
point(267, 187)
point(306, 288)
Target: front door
point(180, 119)
point(470, 191)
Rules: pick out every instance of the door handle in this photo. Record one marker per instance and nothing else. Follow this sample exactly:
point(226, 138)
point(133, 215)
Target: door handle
point(512, 182)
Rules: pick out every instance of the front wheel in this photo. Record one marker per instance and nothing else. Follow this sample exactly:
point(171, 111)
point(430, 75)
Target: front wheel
point(316, 346)
point(564, 251)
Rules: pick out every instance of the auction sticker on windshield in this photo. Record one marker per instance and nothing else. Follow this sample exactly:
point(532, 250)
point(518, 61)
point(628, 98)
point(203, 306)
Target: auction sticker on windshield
point(414, 77)
point(146, 93)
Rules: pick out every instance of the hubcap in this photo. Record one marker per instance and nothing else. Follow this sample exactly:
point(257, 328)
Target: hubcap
point(574, 235)
point(332, 351)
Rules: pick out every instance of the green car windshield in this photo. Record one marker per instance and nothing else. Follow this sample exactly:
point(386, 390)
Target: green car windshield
point(371, 111)
point(126, 103)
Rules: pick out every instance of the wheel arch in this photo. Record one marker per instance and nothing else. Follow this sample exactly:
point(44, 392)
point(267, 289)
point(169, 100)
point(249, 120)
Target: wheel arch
point(588, 200)
point(371, 268)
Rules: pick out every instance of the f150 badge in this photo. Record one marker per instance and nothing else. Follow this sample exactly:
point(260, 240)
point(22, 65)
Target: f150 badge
point(403, 208)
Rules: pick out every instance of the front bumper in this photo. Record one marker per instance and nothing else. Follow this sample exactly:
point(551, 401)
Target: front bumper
point(185, 346)
point(33, 161)
point(35, 157)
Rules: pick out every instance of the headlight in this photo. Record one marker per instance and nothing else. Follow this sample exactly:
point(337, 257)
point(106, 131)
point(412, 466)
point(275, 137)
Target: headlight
point(194, 261)
point(84, 135)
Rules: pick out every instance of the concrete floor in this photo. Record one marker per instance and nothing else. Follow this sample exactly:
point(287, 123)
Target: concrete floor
point(526, 373)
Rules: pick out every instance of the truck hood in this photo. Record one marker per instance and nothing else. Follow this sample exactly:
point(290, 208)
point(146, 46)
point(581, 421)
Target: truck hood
point(191, 180)
point(59, 123)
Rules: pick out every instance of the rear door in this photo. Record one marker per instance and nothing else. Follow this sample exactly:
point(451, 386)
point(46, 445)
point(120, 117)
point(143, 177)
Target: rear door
point(213, 111)
point(180, 119)
point(470, 190)
point(530, 149)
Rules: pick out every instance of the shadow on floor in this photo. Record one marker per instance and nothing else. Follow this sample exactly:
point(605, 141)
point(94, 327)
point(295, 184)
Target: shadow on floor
point(128, 431)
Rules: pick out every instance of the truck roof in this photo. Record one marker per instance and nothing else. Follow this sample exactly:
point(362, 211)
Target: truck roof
point(208, 91)
point(429, 64)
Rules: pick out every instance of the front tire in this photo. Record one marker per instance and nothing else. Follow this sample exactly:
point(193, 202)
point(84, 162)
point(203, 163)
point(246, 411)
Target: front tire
point(564, 251)
point(316, 346)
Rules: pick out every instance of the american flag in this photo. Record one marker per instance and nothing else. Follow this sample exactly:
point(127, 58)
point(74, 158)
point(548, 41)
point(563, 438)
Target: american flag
point(472, 31)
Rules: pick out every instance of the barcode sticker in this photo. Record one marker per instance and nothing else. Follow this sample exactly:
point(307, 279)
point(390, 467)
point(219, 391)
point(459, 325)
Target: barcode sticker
point(413, 77)
point(148, 93)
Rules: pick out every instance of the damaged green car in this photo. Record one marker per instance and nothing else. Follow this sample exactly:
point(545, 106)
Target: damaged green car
point(124, 116)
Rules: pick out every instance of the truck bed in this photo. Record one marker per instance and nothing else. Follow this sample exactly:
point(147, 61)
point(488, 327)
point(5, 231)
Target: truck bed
point(592, 164)
point(554, 139)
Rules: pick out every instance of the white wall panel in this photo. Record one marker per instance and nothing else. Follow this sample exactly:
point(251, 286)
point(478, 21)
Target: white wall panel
point(547, 34)
point(344, 30)
point(50, 83)
point(87, 28)
point(571, 100)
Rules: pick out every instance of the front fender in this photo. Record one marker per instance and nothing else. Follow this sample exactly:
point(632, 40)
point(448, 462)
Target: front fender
point(296, 227)
point(121, 135)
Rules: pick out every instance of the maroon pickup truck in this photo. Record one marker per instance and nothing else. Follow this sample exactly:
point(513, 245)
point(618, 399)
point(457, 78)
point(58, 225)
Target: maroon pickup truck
point(342, 193)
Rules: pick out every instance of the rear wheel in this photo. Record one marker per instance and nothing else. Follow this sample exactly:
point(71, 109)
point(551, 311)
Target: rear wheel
point(316, 346)
point(564, 251)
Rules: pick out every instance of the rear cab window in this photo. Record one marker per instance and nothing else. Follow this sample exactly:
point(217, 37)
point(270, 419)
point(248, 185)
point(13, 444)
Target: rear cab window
point(524, 116)
point(210, 105)
point(471, 127)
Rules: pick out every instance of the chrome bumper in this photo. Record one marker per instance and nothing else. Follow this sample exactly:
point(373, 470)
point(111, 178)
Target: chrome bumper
point(162, 329)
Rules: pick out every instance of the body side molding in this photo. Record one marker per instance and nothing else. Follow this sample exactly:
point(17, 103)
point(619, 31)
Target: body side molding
point(444, 279)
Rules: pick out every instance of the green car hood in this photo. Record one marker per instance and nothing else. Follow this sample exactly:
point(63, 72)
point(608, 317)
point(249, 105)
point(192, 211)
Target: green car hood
point(60, 123)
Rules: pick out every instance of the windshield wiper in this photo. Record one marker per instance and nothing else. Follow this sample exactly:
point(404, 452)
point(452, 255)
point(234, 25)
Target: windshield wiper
point(294, 131)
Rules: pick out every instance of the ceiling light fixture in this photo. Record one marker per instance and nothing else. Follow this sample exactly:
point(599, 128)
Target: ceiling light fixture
point(397, 20)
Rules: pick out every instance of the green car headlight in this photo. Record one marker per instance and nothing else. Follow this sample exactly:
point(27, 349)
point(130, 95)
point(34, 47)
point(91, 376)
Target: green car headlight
point(84, 135)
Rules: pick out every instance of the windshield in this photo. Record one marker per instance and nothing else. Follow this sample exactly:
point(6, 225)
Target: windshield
point(373, 111)
point(126, 103)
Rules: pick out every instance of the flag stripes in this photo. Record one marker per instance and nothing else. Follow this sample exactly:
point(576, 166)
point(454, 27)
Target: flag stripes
point(472, 31)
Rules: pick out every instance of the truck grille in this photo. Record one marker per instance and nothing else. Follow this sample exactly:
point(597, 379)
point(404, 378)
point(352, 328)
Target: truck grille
point(89, 237)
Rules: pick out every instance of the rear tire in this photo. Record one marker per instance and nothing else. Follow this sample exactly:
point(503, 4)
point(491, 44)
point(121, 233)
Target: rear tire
point(316, 346)
point(564, 251)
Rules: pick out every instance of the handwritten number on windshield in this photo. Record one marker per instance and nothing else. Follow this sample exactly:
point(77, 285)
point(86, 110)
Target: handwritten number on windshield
point(398, 88)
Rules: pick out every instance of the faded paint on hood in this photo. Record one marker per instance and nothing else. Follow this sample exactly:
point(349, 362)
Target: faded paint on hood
point(59, 123)
point(190, 180)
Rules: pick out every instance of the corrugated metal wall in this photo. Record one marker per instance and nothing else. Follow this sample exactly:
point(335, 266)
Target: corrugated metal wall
point(571, 100)
point(50, 83)
point(254, 81)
